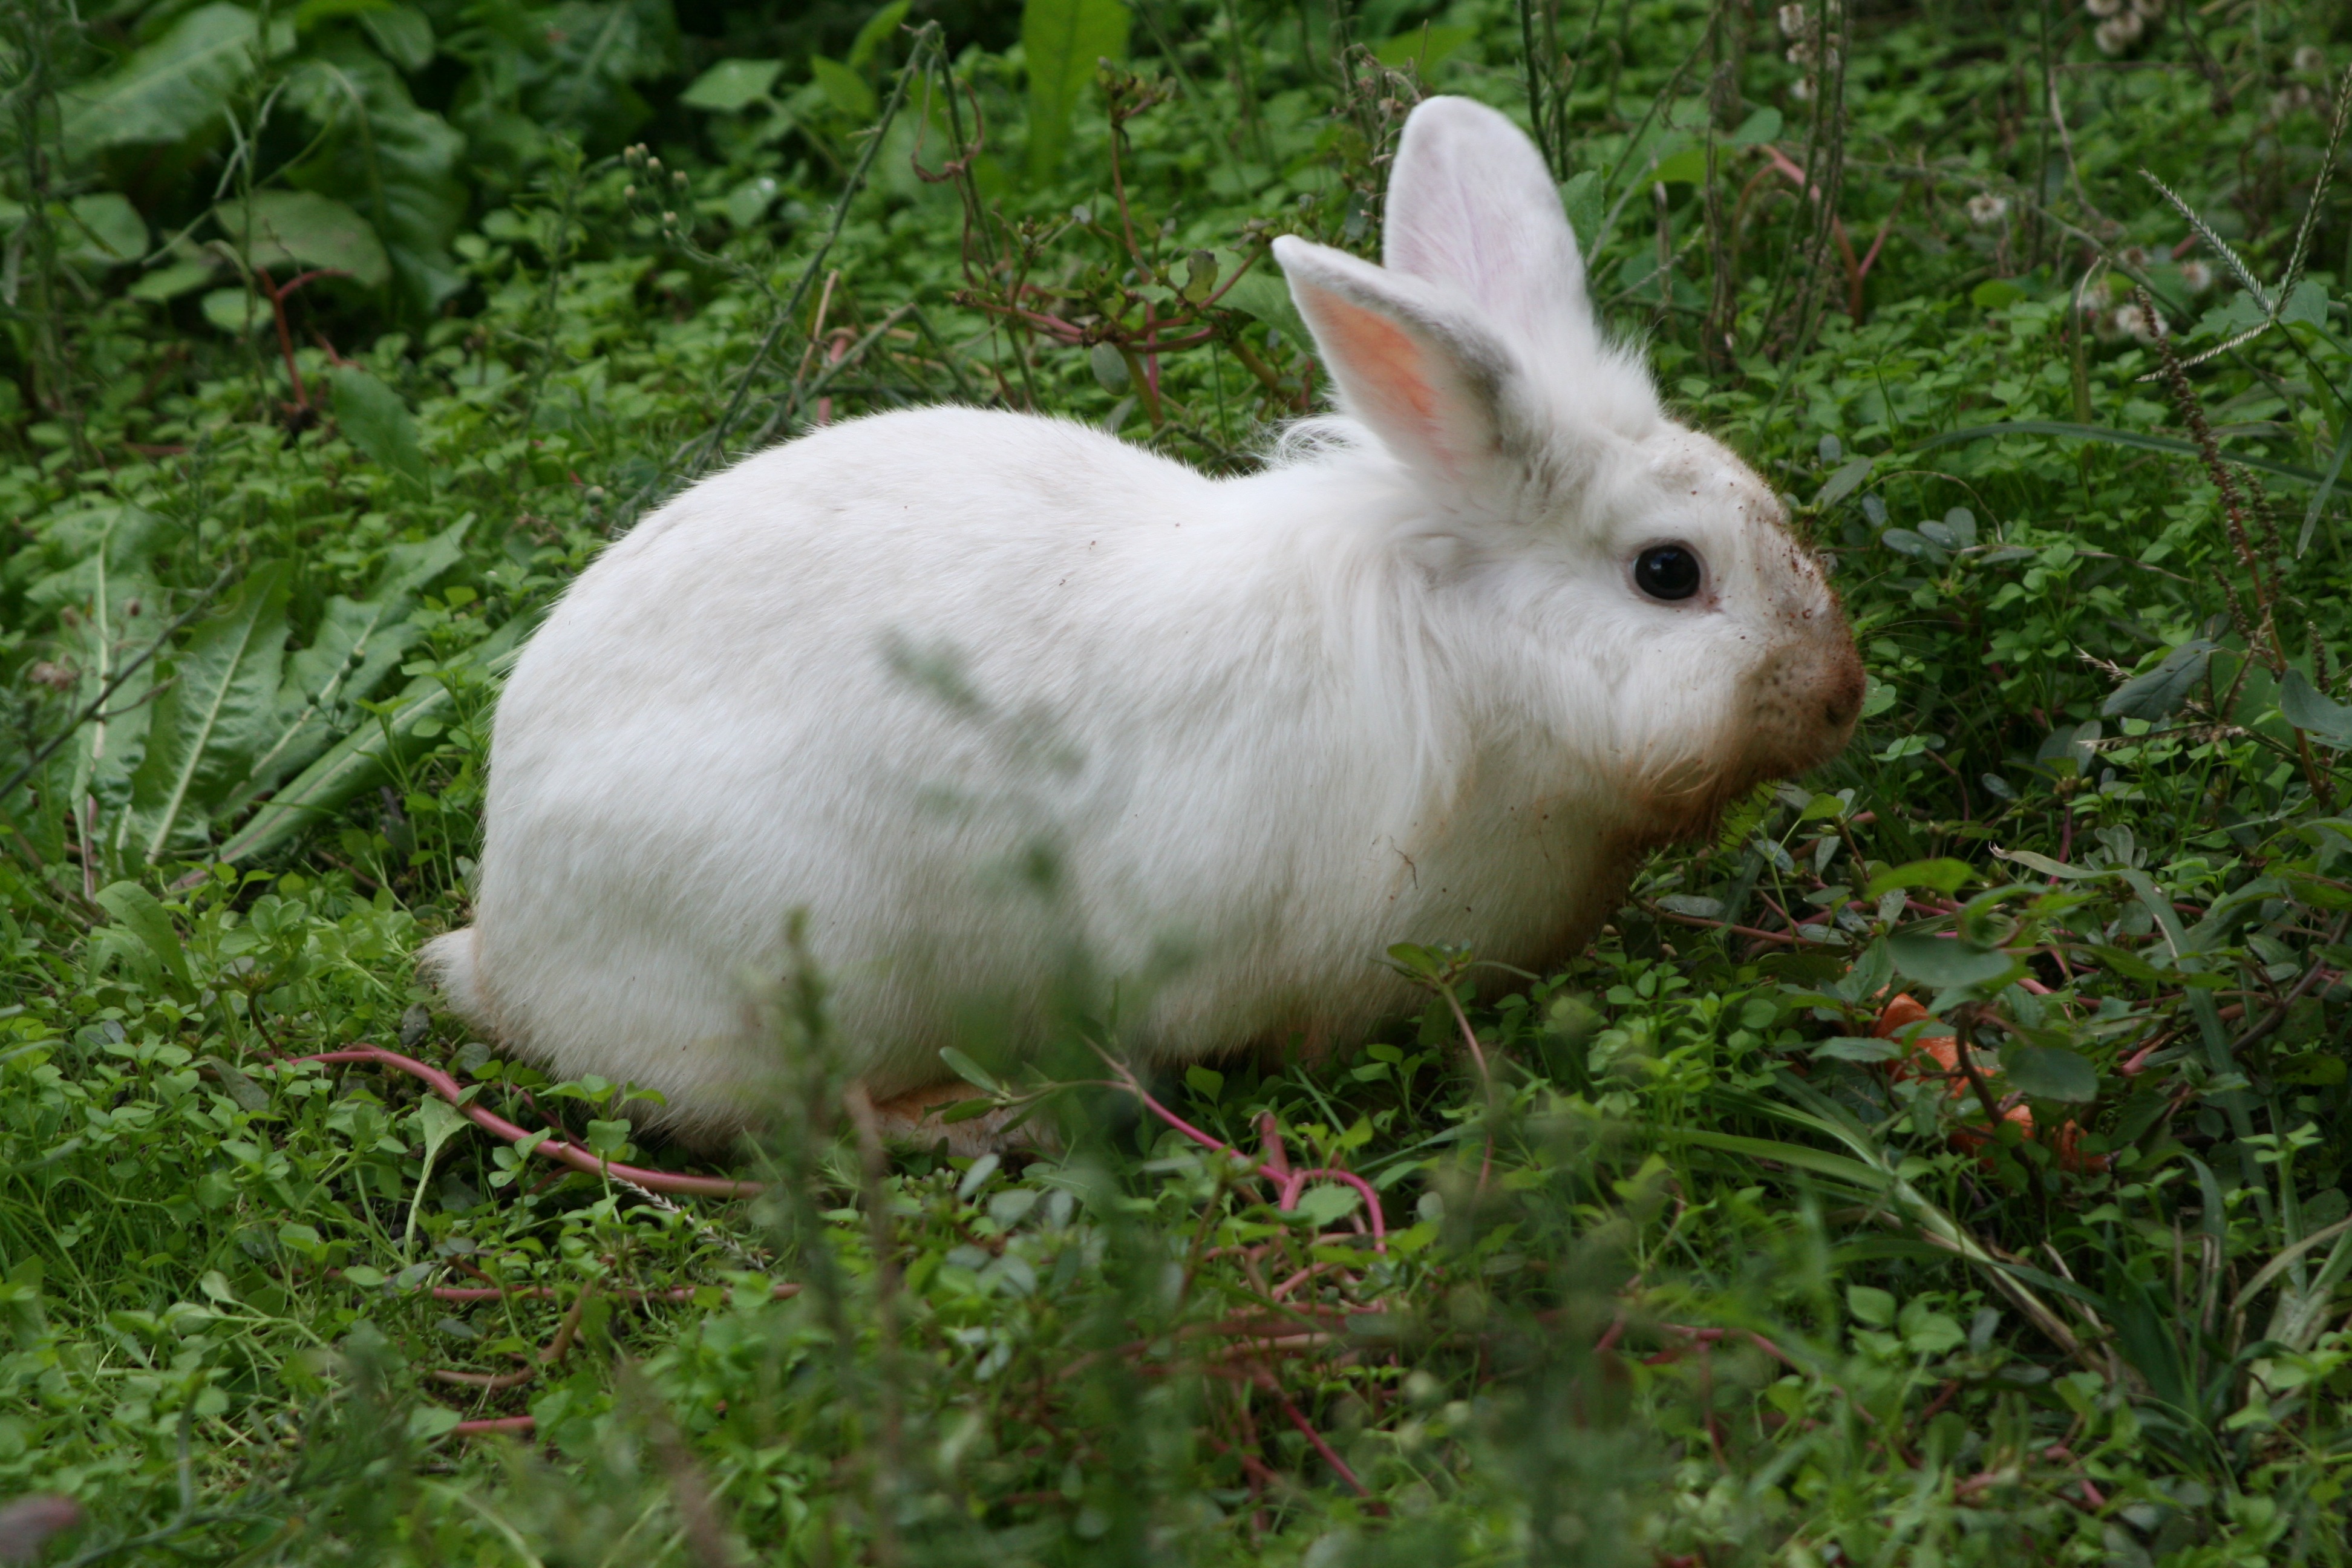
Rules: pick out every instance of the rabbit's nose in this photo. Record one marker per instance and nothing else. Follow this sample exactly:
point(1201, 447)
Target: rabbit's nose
point(1842, 691)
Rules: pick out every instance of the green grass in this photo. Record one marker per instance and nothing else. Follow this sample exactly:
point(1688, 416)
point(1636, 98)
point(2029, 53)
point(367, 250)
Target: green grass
point(1702, 1272)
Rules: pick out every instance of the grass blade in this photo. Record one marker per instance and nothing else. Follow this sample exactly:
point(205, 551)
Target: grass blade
point(2067, 431)
point(2326, 484)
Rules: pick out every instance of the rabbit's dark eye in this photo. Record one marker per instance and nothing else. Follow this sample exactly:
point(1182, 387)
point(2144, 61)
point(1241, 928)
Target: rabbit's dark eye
point(1667, 572)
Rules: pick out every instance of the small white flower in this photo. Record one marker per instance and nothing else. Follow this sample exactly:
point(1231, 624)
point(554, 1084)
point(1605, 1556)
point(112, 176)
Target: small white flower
point(2103, 8)
point(2134, 256)
point(1987, 210)
point(2117, 33)
point(1802, 90)
point(2148, 10)
point(2288, 100)
point(1793, 21)
point(2310, 60)
point(2135, 322)
point(2196, 277)
point(1800, 53)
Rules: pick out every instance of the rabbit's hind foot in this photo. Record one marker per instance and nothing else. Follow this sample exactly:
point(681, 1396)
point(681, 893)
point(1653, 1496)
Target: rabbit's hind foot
point(913, 1121)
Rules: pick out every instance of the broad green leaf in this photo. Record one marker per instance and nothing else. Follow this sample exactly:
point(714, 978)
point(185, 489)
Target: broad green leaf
point(594, 51)
point(357, 646)
point(1858, 1048)
point(1110, 369)
point(104, 230)
point(731, 85)
point(168, 91)
point(1580, 195)
point(1869, 1305)
point(167, 283)
point(378, 423)
point(1943, 962)
point(213, 719)
point(2032, 861)
point(2050, 1072)
point(109, 546)
point(148, 921)
point(120, 610)
point(283, 231)
point(1326, 1204)
point(1994, 293)
point(2308, 304)
point(358, 761)
point(2159, 692)
point(1422, 49)
point(1693, 904)
point(844, 89)
point(426, 1422)
point(1262, 294)
point(310, 13)
point(2126, 963)
point(394, 162)
point(1845, 483)
point(1063, 39)
point(2308, 709)
point(877, 32)
point(246, 1094)
point(237, 311)
point(1943, 876)
point(976, 1177)
point(1687, 167)
point(1763, 125)
point(403, 33)
point(971, 1071)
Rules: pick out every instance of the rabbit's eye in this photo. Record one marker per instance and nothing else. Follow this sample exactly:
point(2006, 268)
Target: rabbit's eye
point(1667, 572)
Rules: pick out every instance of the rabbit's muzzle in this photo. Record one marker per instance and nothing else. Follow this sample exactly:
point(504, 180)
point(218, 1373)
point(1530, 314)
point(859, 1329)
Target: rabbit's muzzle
point(1805, 704)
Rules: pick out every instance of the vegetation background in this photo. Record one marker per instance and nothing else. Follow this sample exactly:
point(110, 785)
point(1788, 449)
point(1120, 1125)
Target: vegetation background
point(339, 336)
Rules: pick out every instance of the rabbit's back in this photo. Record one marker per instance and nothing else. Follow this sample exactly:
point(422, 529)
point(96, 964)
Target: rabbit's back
point(872, 675)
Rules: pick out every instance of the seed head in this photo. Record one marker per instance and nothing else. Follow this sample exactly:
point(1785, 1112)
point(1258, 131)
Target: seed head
point(2141, 325)
point(1987, 210)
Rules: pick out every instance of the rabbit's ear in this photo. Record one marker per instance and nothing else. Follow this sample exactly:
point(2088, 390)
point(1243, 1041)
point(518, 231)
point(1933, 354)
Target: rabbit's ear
point(1408, 359)
point(1471, 206)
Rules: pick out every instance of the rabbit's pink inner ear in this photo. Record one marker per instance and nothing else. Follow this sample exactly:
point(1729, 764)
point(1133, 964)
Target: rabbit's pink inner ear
point(1387, 378)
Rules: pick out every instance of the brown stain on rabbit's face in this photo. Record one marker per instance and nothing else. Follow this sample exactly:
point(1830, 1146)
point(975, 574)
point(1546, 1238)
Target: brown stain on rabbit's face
point(1794, 710)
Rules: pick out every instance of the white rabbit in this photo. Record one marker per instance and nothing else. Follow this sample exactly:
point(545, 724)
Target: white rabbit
point(1443, 672)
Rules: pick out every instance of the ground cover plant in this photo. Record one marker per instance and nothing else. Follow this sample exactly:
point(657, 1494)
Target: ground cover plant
point(1944, 1162)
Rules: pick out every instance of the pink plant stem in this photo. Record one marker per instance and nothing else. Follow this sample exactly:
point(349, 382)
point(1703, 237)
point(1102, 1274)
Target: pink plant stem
point(1269, 1133)
point(824, 404)
point(1308, 1428)
point(500, 1424)
point(571, 1154)
point(1287, 1183)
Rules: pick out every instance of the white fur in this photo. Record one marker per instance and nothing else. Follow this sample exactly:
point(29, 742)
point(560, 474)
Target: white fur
point(1399, 685)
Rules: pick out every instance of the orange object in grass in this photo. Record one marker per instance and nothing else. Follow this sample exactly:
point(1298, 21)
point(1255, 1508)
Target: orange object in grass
point(1938, 1042)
